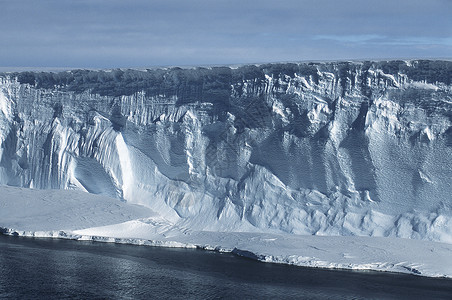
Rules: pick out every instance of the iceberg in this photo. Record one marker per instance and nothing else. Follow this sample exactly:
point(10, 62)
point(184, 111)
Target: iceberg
point(349, 150)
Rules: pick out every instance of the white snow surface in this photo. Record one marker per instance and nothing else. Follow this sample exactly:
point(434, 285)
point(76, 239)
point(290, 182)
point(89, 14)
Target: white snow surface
point(47, 210)
point(82, 216)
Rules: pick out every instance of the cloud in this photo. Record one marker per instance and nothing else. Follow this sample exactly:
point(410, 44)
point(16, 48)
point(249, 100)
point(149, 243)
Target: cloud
point(364, 38)
point(373, 39)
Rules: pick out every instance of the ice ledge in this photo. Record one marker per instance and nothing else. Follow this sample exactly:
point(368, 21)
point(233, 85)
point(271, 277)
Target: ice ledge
point(421, 258)
point(61, 234)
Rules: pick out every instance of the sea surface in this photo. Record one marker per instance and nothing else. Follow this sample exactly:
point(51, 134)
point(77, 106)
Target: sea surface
point(32, 268)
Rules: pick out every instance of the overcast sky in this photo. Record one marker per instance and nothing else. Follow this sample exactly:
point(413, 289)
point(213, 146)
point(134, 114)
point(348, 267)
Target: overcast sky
point(144, 33)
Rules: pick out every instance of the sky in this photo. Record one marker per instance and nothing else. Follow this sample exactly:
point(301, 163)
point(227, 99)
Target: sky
point(146, 33)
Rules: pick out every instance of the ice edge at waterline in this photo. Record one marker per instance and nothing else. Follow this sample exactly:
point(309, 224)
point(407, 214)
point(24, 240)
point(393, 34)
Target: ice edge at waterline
point(403, 267)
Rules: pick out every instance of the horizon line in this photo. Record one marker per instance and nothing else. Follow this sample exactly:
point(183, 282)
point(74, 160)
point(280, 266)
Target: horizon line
point(12, 69)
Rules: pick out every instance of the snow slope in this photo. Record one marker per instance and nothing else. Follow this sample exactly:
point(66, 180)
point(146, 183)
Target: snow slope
point(82, 216)
point(47, 210)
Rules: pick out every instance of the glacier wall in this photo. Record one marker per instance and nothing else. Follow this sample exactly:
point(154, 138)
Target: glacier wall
point(346, 148)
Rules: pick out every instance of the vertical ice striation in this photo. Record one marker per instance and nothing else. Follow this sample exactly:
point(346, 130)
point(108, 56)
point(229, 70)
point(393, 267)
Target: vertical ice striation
point(312, 148)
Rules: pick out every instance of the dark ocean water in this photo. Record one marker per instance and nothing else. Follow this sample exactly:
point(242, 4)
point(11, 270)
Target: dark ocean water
point(61, 269)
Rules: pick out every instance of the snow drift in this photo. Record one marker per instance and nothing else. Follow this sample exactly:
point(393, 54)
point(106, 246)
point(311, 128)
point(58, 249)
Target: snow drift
point(347, 148)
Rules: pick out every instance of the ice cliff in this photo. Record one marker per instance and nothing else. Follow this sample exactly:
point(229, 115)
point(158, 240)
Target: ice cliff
point(346, 148)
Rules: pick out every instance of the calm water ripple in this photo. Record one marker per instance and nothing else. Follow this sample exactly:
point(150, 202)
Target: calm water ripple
point(63, 269)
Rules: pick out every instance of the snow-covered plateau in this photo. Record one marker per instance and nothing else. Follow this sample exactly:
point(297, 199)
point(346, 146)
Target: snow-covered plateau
point(345, 164)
